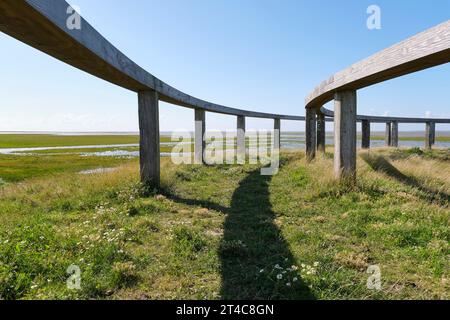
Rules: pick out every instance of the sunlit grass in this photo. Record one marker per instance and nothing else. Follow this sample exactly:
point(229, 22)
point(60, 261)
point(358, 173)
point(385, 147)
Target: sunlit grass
point(228, 232)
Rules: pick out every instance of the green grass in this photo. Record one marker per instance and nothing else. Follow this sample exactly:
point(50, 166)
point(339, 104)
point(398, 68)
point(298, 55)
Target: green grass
point(14, 168)
point(227, 232)
point(403, 138)
point(49, 140)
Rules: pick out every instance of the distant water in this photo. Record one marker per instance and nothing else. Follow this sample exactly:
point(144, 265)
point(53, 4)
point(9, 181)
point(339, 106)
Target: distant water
point(289, 140)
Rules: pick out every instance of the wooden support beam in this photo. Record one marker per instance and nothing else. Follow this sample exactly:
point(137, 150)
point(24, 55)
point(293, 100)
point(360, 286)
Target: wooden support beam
point(321, 132)
point(240, 141)
point(388, 135)
point(365, 139)
point(310, 132)
point(199, 139)
point(430, 135)
point(394, 134)
point(345, 134)
point(277, 134)
point(149, 138)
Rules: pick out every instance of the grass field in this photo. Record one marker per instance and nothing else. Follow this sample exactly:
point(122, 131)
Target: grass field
point(228, 232)
point(49, 140)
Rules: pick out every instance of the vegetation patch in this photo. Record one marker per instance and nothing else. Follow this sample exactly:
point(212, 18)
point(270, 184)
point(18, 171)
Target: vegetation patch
point(228, 232)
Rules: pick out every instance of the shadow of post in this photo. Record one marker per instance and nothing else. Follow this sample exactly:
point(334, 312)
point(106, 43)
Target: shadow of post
point(253, 242)
point(381, 164)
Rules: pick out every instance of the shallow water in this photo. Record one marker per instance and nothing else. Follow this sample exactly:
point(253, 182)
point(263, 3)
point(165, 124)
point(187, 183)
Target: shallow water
point(288, 141)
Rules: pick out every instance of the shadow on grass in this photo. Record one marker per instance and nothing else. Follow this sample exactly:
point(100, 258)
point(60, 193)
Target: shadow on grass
point(381, 164)
point(252, 242)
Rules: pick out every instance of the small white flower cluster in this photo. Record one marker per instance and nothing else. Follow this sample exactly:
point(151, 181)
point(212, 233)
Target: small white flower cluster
point(103, 209)
point(129, 194)
point(309, 270)
point(287, 275)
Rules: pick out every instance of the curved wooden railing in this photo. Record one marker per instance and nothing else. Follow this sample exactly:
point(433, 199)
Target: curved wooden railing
point(42, 24)
point(427, 49)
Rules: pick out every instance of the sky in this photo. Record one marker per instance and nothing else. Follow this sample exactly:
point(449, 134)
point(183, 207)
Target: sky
point(260, 55)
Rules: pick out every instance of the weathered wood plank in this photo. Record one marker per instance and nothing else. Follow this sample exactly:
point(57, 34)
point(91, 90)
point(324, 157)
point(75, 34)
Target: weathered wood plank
point(42, 25)
point(430, 135)
point(345, 134)
point(394, 134)
point(321, 134)
point(277, 135)
point(424, 50)
point(310, 133)
point(149, 152)
point(365, 139)
point(378, 119)
point(199, 137)
point(388, 134)
point(240, 141)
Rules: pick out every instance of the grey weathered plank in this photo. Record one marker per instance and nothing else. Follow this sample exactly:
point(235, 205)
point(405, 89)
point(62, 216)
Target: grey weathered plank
point(424, 50)
point(240, 140)
point(394, 134)
point(388, 134)
point(379, 119)
point(430, 134)
point(345, 134)
point(199, 136)
point(42, 25)
point(149, 138)
point(365, 139)
point(310, 134)
point(321, 134)
point(277, 135)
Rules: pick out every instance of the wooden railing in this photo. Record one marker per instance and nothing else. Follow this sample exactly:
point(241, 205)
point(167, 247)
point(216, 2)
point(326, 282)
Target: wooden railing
point(427, 49)
point(42, 24)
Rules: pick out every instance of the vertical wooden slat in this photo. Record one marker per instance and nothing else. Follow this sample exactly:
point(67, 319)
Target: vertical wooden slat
point(277, 134)
point(388, 135)
point(310, 132)
point(394, 134)
point(199, 136)
point(240, 140)
point(149, 138)
point(365, 139)
point(345, 134)
point(321, 134)
point(430, 135)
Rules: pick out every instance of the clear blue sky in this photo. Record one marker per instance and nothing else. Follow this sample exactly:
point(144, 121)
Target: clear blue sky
point(213, 49)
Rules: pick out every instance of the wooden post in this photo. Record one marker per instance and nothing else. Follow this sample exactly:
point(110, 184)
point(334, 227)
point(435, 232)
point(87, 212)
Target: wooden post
point(240, 140)
point(365, 139)
point(321, 134)
point(430, 135)
point(394, 134)
point(388, 135)
point(345, 134)
point(199, 143)
point(310, 132)
point(149, 138)
point(277, 134)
